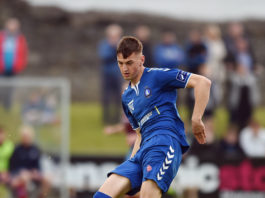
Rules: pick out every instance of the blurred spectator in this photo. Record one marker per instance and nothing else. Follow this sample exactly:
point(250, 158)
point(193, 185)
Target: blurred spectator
point(142, 32)
point(229, 147)
point(31, 109)
point(235, 32)
point(168, 54)
point(242, 88)
point(111, 78)
point(25, 167)
point(243, 56)
point(49, 115)
point(196, 56)
point(13, 56)
point(40, 109)
point(13, 49)
point(252, 139)
point(215, 67)
point(6, 150)
point(243, 95)
point(196, 53)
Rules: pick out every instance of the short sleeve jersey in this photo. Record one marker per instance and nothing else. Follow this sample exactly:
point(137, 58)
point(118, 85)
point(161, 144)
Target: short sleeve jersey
point(151, 104)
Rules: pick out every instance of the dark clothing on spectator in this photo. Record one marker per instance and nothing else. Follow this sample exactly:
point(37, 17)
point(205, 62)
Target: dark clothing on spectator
point(241, 114)
point(230, 45)
point(230, 151)
point(111, 83)
point(232, 52)
point(243, 96)
point(147, 52)
point(107, 54)
point(205, 152)
point(25, 158)
point(196, 56)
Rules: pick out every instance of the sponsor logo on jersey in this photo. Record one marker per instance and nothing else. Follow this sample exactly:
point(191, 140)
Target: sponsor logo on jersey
point(131, 107)
point(182, 76)
point(147, 92)
point(145, 118)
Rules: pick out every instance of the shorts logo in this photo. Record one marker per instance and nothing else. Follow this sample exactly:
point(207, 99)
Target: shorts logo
point(131, 107)
point(166, 163)
point(182, 76)
point(149, 168)
point(147, 92)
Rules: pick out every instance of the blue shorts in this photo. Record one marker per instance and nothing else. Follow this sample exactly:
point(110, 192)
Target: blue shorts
point(158, 159)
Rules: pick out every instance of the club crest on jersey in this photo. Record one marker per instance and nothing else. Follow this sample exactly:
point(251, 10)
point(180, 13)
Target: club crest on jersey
point(182, 76)
point(147, 92)
point(131, 107)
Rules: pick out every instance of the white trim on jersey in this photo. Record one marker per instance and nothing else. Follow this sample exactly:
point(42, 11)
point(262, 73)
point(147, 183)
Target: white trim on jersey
point(188, 80)
point(136, 88)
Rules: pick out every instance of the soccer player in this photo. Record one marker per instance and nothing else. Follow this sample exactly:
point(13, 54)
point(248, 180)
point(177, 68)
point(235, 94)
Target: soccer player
point(149, 102)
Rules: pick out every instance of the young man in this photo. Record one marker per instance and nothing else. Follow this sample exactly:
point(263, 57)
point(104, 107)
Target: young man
point(149, 103)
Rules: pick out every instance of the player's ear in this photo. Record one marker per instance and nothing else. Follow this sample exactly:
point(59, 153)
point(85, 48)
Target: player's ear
point(142, 59)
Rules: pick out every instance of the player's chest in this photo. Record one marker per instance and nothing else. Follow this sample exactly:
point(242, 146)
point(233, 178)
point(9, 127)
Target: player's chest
point(141, 97)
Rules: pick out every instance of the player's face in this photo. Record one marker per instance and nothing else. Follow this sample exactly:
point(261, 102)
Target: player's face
point(130, 66)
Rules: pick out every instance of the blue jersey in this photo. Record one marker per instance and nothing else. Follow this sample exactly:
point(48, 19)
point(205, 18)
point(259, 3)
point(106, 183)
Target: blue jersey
point(151, 104)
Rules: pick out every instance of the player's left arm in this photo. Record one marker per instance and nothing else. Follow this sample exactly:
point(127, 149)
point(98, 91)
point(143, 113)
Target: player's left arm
point(201, 86)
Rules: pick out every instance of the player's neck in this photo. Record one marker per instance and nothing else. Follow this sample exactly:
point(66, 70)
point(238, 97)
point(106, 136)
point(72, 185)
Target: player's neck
point(138, 77)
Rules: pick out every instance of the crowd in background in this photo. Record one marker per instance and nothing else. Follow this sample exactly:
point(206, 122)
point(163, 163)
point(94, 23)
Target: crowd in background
point(20, 169)
point(225, 57)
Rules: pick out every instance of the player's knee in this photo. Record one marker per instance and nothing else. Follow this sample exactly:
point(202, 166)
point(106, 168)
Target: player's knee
point(100, 195)
point(148, 194)
point(150, 189)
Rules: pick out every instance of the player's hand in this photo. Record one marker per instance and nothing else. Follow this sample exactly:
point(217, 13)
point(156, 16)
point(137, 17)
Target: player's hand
point(198, 130)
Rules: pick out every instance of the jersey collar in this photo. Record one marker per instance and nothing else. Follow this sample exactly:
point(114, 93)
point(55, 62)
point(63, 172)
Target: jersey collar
point(136, 86)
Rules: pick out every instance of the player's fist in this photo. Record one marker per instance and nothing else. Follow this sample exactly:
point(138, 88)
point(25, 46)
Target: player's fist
point(198, 130)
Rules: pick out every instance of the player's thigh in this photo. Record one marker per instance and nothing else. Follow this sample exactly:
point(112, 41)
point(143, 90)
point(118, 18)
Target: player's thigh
point(161, 161)
point(150, 189)
point(115, 186)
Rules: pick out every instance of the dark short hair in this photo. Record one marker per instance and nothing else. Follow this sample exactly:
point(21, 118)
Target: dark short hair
point(129, 45)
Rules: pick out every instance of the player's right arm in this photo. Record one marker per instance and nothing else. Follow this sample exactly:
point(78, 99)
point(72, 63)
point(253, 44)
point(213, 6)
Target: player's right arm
point(137, 142)
point(201, 86)
point(135, 127)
